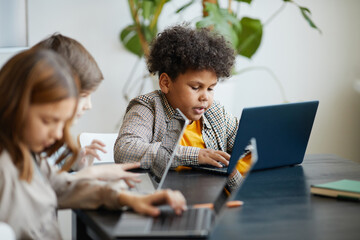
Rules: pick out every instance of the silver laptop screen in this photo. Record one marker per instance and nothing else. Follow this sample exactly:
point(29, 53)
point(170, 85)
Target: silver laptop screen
point(168, 147)
point(246, 162)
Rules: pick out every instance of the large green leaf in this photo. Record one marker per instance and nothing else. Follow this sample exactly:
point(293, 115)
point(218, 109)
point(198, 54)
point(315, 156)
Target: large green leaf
point(249, 37)
point(222, 21)
point(131, 41)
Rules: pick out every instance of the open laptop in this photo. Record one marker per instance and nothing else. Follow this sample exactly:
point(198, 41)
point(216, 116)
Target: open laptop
point(164, 156)
point(193, 223)
point(281, 131)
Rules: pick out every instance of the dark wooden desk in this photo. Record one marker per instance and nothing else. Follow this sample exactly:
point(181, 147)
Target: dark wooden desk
point(278, 204)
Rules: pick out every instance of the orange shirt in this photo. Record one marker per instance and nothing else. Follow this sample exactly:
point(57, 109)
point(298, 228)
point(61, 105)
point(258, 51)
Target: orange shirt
point(192, 135)
point(244, 164)
point(193, 138)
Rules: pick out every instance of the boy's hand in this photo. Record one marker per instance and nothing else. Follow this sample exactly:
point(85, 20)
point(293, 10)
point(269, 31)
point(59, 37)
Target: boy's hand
point(146, 204)
point(213, 157)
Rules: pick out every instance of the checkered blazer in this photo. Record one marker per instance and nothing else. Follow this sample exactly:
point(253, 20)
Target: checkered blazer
point(145, 124)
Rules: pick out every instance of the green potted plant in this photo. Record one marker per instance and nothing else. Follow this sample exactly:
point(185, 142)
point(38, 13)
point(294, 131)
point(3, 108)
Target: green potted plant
point(244, 33)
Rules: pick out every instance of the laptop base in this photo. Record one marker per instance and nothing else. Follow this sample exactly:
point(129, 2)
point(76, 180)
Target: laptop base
point(193, 223)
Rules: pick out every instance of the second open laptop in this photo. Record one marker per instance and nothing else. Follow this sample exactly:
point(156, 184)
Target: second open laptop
point(164, 156)
point(195, 222)
point(282, 132)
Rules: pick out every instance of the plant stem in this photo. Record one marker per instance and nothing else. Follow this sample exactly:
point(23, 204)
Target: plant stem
point(205, 13)
point(229, 6)
point(275, 14)
point(272, 74)
point(142, 85)
point(128, 81)
point(143, 42)
point(132, 9)
point(157, 14)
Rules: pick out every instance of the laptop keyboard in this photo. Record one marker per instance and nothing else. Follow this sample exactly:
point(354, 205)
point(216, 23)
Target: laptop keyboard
point(211, 166)
point(191, 219)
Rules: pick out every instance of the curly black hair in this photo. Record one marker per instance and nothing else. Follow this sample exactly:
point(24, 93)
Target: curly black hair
point(181, 48)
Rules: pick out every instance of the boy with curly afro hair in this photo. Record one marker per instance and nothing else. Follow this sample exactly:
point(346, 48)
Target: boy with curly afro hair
point(189, 63)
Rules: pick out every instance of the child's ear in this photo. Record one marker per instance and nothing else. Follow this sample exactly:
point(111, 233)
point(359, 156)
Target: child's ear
point(164, 82)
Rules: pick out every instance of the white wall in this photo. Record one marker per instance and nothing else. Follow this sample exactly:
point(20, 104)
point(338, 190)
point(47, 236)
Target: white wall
point(308, 64)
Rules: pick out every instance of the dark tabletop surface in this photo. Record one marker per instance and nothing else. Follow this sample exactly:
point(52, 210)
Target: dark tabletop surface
point(277, 203)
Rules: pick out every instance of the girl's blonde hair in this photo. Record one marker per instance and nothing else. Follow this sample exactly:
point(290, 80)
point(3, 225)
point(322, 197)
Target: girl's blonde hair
point(33, 76)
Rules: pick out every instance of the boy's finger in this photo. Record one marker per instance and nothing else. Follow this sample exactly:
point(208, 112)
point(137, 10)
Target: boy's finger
point(224, 155)
point(214, 163)
point(219, 158)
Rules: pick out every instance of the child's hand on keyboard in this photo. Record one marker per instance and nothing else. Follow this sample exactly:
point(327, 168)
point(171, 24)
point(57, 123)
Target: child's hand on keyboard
point(146, 204)
point(213, 157)
point(166, 210)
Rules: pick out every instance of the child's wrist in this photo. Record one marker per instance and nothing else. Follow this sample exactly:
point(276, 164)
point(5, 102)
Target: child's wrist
point(126, 199)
